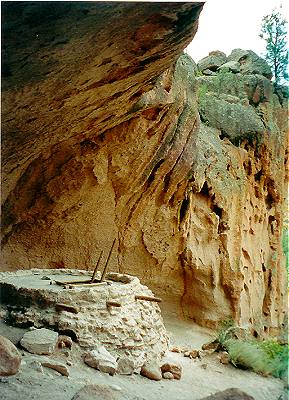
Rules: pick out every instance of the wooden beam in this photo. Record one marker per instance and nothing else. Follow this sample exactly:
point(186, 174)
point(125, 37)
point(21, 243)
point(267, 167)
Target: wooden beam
point(111, 303)
point(148, 298)
point(95, 269)
point(106, 264)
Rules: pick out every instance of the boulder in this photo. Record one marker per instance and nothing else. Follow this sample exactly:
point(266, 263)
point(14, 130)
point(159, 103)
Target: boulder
point(250, 62)
point(234, 120)
point(229, 394)
point(213, 61)
point(233, 66)
point(10, 358)
point(209, 72)
point(152, 371)
point(175, 369)
point(258, 88)
point(238, 55)
point(102, 360)
point(40, 341)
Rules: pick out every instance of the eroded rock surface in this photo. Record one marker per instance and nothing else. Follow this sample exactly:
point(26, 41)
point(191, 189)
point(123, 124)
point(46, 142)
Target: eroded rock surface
point(102, 139)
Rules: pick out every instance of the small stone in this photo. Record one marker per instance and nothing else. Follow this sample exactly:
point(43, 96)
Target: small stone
point(168, 375)
point(192, 354)
point(176, 349)
point(102, 360)
point(204, 366)
point(57, 366)
point(152, 371)
point(36, 365)
point(45, 278)
point(10, 358)
point(175, 369)
point(224, 357)
point(212, 346)
point(126, 366)
point(69, 363)
point(64, 341)
point(40, 341)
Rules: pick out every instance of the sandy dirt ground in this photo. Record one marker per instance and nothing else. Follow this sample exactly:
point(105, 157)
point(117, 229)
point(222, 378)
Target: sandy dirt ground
point(200, 377)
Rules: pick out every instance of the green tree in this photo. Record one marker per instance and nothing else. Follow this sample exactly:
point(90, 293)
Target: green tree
point(274, 32)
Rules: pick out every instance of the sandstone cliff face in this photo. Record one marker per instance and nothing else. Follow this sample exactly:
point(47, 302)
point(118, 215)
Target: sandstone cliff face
point(102, 139)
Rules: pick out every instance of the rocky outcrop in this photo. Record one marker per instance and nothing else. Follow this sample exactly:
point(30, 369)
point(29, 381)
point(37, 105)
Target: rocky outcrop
point(233, 254)
point(102, 139)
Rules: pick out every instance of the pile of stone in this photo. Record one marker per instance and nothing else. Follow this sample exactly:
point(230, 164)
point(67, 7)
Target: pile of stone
point(116, 323)
point(43, 344)
point(243, 61)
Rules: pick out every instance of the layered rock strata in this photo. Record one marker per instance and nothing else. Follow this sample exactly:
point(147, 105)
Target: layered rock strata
point(102, 139)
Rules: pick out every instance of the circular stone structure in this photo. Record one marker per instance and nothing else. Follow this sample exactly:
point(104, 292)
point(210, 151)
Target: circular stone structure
point(119, 313)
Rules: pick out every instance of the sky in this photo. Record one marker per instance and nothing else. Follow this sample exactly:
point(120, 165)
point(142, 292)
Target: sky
point(229, 24)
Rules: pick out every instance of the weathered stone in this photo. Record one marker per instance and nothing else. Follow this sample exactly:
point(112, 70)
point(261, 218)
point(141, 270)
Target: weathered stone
point(224, 357)
point(64, 341)
point(40, 341)
point(168, 375)
point(213, 61)
point(212, 346)
point(250, 62)
point(192, 354)
point(233, 66)
point(104, 392)
point(229, 394)
point(36, 365)
point(152, 371)
point(176, 349)
point(102, 360)
point(238, 55)
point(126, 366)
point(235, 120)
point(10, 358)
point(209, 72)
point(56, 365)
point(175, 369)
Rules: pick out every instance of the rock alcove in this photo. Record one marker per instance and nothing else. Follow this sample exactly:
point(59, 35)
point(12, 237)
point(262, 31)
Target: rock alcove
point(108, 130)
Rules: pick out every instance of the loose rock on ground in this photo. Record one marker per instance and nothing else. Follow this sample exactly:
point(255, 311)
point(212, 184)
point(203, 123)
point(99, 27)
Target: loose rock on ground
point(40, 341)
point(10, 358)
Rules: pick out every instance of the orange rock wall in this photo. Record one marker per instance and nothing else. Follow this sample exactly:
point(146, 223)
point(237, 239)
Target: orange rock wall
point(102, 138)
